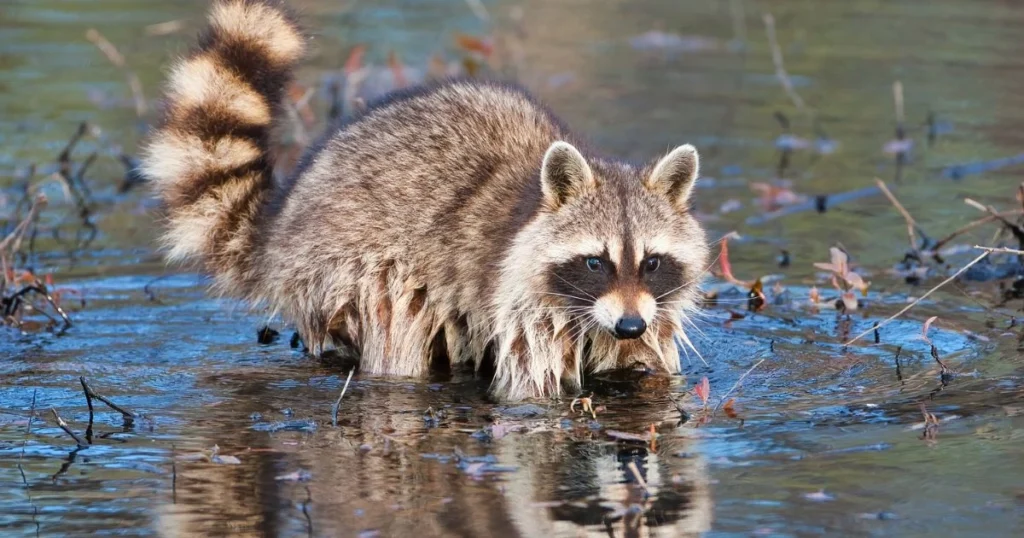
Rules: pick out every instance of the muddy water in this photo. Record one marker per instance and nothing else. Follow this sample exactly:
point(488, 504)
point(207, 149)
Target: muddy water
point(821, 439)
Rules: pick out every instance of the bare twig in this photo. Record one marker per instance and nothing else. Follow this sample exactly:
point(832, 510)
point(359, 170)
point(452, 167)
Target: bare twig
point(901, 132)
point(110, 51)
point(28, 433)
point(64, 426)
point(911, 223)
point(919, 299)
point(897, 97)
point(165, 28)
point(735, 385)
point(780, 68)
point(1001, 250)
point(972, 225)
point(337, 404)
point(129, 416)
point(88, 401)
point(106, 47)
point(1015, 229)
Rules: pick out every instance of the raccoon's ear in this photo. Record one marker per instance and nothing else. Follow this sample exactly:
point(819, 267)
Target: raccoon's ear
point(564, 174)
point(675, 174)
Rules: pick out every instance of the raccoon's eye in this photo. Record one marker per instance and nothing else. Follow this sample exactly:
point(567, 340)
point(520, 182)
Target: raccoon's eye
point(594, 264)
point(652, 264)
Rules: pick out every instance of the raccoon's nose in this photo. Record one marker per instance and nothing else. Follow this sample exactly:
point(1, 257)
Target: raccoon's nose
point(630, 327)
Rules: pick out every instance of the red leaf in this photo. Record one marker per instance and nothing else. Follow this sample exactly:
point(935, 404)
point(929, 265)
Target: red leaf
point(355, 59)
point(703, 390)
point(474, 44)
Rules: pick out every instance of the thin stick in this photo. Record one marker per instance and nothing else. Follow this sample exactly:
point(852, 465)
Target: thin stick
point(970, 226)
point(165, 28)
point(897, 97)
point(64, 426)
point(636, 474)
point(106, 47)
point(1002, 250)
point(110, 51)
point(780, 68)
point(128, 415)
point(919, 299)
point(911, 223)
point(737, 384)
point(88, 401)
point(28, 433)
point(137, 96)
point(337, 404)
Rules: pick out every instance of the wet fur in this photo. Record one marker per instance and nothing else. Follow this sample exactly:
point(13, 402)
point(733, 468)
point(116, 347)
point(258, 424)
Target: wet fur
point(427, 226)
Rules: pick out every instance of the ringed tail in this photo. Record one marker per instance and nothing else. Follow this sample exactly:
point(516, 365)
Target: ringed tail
point(209, 158)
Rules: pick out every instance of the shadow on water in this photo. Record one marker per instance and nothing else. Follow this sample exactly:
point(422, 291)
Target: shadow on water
point(236, 438)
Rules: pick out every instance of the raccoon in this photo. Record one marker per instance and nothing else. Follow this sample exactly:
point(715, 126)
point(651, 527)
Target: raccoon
point(455, 223)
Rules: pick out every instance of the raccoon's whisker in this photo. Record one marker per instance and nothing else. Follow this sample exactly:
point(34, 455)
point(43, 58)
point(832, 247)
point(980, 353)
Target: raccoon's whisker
point(688, 321)
point(575, 287)
point(566, 296)
point(743, 300)
point(686, 340)
point(562, 309)
point(582, 328)
point(706, 269)
point(691, 281)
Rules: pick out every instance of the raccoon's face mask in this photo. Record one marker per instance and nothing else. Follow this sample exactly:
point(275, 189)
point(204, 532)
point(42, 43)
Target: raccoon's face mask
point(626, 253)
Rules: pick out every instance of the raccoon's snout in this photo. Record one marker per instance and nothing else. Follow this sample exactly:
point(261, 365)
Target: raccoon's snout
point(630, 327)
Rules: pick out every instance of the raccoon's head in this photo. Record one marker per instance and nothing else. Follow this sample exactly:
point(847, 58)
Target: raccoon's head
point(625, 254)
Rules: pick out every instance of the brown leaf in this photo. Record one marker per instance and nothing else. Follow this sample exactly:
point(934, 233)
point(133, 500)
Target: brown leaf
point(730, 411)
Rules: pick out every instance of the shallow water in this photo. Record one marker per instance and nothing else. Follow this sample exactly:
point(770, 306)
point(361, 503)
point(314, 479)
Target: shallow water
point(825, 439)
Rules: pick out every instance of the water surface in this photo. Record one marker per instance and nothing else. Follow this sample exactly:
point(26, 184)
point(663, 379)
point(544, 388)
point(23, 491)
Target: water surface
point(825, 439)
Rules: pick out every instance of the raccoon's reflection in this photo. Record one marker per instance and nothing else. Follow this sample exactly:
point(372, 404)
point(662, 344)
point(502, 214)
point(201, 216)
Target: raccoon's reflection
point(588, 489)
point(387, 470)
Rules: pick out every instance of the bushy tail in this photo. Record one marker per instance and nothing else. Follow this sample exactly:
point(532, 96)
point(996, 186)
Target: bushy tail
point(209, 160)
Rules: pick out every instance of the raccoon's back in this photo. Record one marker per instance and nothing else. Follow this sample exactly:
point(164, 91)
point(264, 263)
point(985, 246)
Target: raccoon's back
point(443, 169)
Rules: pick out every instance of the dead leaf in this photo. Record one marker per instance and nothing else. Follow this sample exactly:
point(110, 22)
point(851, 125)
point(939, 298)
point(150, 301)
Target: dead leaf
point(730, 411)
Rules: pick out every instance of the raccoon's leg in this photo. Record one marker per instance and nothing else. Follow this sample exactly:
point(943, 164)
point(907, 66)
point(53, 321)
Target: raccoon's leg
point(397, 322)
point(537, 361)
point(343, 332)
